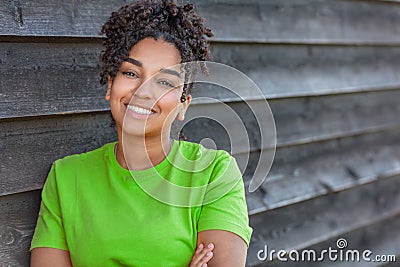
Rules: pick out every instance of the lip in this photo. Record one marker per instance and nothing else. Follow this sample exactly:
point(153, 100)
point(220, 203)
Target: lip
point(132, 114)
point(140, 106)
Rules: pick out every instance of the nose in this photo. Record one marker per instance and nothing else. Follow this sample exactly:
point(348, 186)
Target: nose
point(144, 90)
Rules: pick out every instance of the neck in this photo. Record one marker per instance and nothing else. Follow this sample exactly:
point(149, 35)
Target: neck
point(139, 153)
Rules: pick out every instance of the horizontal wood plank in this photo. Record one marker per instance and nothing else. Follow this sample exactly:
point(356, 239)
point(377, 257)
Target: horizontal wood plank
point(30, 145)
point(312, 170)
point(322, 22)
point(331, 73)
point(317, 22)
point(380, 238)
point(308, 119)
point(297, 120)
point(392, 264)
point(54, 78)
point(322, 118)
point(386, 1)
point(48, 79)
point(308, 223)
point(299, 70)
point(18, 215)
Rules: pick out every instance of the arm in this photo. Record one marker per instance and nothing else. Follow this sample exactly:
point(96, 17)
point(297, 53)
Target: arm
point(224, 222)
point(48, 246)
point(230, 249)
point(49, 257)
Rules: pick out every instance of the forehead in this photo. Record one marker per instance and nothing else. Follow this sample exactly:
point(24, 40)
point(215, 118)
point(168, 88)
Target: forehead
point(153, 53)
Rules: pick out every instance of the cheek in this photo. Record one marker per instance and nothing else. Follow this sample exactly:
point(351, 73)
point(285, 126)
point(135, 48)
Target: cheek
point(169, 101)
point(119, 88)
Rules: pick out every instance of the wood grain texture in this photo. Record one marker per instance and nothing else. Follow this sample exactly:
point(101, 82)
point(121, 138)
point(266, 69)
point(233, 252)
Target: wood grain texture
point(301, 70)
point(298, 120)
point(30, 145)
point(322, 22)
point(18, 215)
point(47, 79)
point(313, 170)
point(308, 223)
point(392, 264)
point(329, 69)
point(54, 78)
point(378, 238)
point(326, 216)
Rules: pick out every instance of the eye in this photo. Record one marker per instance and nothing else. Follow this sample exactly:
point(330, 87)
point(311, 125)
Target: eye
point(167, 83)
point(130, 74)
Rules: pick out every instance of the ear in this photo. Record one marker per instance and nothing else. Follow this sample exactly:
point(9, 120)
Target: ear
point(184, 107)
point(109, 85)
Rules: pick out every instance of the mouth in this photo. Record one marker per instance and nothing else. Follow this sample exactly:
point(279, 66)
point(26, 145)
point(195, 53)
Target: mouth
point(140, 110)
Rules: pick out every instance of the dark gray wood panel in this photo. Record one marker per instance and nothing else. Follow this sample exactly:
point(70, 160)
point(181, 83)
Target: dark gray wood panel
point(52, 137)
point(18, 215)
point(49, 78)
point(387, 1)
point(299, 70)
point(304, 21)
point(379, 238)
point(55, 18)
point(314, 21)
point(392, 264)
point(309, 119)
point(312, 170)
point(30, 145)
point(308, 223)
point(394, 2)
point(53, 78)
point(297, 120)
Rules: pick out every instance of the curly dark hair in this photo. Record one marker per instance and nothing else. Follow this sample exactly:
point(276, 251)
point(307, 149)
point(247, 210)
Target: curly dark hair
point(179, 25)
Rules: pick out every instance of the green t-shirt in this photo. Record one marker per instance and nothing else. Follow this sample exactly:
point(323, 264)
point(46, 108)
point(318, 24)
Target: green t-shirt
point(106, 215)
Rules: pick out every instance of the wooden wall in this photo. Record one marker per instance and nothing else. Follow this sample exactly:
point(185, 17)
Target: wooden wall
point(330, 71)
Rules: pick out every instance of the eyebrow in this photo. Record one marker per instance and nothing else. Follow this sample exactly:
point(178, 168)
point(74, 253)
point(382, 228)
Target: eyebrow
point(134, 62)
point(172, 72)
point(140, 64)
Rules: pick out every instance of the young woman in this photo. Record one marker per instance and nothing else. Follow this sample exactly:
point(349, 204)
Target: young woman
point(95, 210)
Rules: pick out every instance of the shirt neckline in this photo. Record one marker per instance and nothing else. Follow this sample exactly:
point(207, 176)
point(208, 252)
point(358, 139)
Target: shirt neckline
point(146, 172)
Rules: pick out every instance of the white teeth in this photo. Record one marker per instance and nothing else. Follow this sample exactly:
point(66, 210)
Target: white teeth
point(139, 110)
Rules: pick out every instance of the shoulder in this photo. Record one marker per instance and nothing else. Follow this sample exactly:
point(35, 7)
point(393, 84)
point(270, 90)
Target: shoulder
point(195, 151)
point(213, 163)
point(84, 160)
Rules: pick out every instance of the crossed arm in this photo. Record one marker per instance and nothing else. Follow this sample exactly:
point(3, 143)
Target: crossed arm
point(228, 250)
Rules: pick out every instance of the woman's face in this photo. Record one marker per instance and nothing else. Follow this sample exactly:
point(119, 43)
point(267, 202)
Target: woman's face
point(145, 93)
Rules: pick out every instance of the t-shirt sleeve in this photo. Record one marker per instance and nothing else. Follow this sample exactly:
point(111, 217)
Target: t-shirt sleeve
point(49, 231)
point(229, 211)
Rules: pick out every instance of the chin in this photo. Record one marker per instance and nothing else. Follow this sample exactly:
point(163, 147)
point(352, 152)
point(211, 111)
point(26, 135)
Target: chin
point(133, 130)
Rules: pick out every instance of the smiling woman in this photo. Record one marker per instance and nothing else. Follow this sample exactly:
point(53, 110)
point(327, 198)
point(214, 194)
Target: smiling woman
point(94, 211)
point(146, 92)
